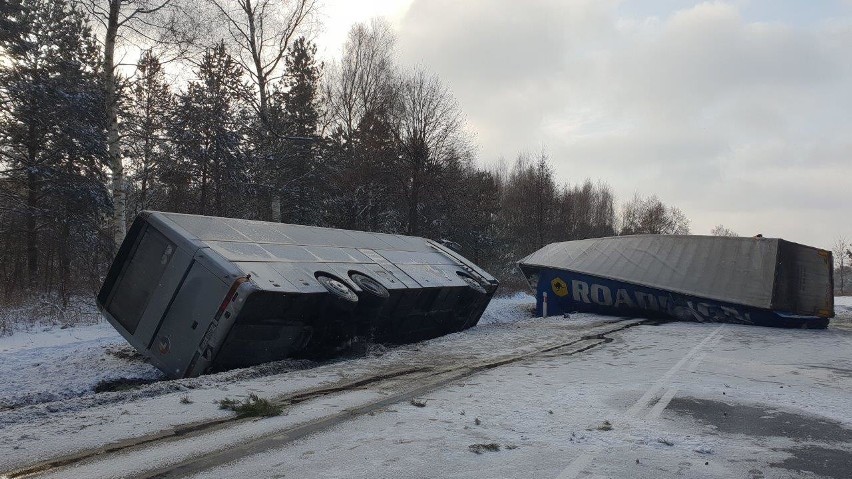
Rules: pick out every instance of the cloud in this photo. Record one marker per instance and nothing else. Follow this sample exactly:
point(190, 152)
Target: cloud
point(735, 120)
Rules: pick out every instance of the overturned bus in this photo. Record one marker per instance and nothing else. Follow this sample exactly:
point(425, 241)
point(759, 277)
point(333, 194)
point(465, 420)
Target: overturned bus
point(197, 293)
point(760, 281)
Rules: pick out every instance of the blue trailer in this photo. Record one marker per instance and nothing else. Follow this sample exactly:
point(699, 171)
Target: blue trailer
point(759, 281)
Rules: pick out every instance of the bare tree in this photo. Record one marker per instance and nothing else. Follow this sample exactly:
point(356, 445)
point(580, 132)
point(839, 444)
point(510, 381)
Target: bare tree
point(428, 130)
point(650, 216)
point(358, 93)
point(841, 251)
point(160, 22)
point(363, 81)
point(261, 32)
point(585, 211)
point(720, 230)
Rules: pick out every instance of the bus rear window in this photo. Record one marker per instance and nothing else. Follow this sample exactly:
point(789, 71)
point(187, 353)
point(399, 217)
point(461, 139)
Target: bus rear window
point(141, 277)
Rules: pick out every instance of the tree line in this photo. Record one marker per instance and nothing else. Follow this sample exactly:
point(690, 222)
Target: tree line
point(259, 128)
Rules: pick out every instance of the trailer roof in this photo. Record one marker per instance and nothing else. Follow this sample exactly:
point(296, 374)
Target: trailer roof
point(737, 270)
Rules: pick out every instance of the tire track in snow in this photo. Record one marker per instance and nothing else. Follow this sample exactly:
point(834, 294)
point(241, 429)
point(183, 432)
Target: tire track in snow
point(408, 384)
point(693, 357)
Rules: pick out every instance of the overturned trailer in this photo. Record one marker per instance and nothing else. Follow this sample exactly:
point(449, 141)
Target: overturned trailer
point(761, 281)
point(197, 293)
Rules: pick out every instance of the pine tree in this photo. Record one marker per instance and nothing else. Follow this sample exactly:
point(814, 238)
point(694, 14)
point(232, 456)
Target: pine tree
point(12, 26)
point(149, 110)
point(54, 142)
point(207, 131)
point(296, 152)
point(378, 190)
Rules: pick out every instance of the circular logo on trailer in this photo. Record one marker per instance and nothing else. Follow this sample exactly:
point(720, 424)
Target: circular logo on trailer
point(560, 288)
point(164, 345)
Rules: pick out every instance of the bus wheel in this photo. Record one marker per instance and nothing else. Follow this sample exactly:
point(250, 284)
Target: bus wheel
point(342, 295)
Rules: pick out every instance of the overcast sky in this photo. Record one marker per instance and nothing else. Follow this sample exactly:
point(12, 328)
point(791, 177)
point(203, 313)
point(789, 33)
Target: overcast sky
point(738, 112)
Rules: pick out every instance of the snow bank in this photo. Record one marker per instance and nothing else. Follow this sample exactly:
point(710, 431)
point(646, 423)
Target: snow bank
point(56, 363)
point(842, 309)
point(509, 309)
point(47, 313)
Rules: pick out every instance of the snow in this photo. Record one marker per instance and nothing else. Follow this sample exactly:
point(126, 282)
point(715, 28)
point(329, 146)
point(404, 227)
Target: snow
point(509, 309)
point(843, 305)
point(545, 414)
point(54, 364)
point(546, 409)
point(70, 417)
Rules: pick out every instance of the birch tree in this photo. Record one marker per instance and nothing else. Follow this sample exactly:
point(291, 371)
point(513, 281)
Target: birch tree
point(261, 32)
point(167, 23)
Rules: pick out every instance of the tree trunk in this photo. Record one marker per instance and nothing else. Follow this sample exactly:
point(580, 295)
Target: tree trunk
point(65, 260)
point(119, 195)
point(414, 202)
point(419, 157)
point(33, 141)
point(146, 162)
point(204, 187)
point(275, 206)
point(32, 228)
point(260, 74)
point(218, 203)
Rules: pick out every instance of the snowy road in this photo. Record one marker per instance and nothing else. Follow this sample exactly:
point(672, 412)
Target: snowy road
point(680, 399)
point(677, 399)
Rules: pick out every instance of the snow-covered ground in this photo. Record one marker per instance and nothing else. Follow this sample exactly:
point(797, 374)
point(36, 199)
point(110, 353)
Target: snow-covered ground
point(747, 403)
point(843, 307)
point(657, 401)
point(54, 363)
point(49, 406)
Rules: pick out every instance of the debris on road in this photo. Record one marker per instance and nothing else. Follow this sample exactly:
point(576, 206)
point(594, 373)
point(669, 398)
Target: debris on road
point(481, 448)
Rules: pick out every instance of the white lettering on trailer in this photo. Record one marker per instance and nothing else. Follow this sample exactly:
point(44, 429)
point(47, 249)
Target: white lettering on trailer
point(647, 301)
point(581, 291)
point(601, 295)
point(621, 297)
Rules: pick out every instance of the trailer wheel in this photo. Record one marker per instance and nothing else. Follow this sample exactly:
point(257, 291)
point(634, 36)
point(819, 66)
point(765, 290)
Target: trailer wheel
point(342, 295)
point(472, 283)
